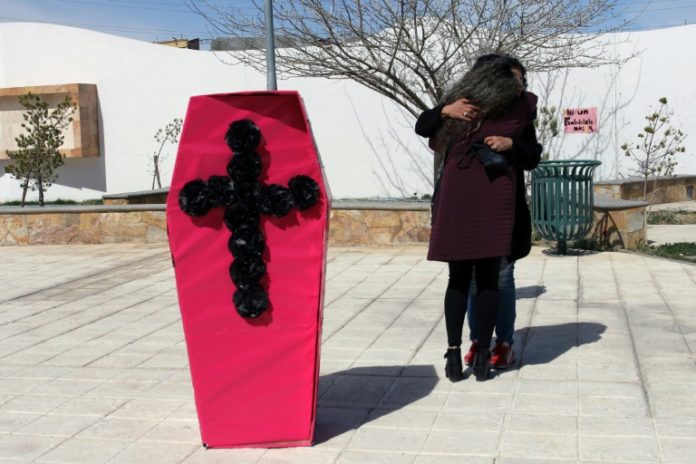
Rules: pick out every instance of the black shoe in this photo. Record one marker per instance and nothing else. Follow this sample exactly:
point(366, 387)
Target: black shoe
point(482, 364)
point(453, 368)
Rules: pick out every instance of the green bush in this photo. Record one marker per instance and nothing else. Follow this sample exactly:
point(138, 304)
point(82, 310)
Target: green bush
point(683, 251)
point(662, 217)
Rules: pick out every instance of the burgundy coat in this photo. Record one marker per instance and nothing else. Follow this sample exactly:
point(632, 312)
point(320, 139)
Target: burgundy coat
point(474, 216)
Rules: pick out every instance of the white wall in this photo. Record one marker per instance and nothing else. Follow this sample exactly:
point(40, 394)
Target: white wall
point(662, 67)
point(367, 143)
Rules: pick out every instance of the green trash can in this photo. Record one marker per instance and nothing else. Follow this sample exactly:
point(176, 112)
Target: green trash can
point(563, 200)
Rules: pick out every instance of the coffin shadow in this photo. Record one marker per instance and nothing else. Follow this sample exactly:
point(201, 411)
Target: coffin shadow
point(351, 398)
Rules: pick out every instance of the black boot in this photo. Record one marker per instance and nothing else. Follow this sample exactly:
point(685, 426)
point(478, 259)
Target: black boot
point(453, 368)
point(482, 364)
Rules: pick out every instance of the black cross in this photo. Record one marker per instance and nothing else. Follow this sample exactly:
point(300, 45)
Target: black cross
point(245, 199)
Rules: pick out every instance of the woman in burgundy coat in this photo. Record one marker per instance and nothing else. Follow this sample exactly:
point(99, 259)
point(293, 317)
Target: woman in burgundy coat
point(474, 209)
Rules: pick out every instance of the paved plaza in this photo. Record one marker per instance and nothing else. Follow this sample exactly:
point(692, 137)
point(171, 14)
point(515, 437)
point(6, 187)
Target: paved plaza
point(93, 365)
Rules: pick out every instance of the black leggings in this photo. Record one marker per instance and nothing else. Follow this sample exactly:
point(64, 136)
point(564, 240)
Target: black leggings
point(487, 300)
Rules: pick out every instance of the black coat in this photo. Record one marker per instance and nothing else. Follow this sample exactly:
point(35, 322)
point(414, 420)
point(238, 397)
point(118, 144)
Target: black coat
point(525, 154)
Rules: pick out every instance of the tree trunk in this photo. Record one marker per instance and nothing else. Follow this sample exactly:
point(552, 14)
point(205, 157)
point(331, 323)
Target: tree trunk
point(645, 188)
point(654, 192)
point(41, 195)
point(156, 174)
point(25, 187)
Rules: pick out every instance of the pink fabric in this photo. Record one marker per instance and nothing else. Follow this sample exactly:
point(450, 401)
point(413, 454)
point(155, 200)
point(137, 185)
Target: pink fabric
point(254, 380)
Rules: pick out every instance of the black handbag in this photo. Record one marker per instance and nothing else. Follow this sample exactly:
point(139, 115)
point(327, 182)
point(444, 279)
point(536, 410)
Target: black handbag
point(491, 160)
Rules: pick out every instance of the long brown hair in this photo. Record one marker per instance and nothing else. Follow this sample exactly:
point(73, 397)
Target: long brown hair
point(491, 86)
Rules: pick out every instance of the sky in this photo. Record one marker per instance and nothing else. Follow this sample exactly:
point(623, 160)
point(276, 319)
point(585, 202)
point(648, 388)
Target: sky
point(159, 20)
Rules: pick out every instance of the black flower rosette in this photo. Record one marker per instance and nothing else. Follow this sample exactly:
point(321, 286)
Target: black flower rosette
point(194, 198)
point(304, 191)
point(243, 136)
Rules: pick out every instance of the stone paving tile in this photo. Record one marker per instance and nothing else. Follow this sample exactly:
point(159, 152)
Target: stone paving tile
point(678, 450)
point(93, 363)
point(154, 452)
point(223, 456)
point(12, 421)
point(468, 441)
point(602, 426)
point(26, 447)
point(364, 457)
point(539, 446)
point(57, 425)
point(643, 449)
point(388, 439)
point(543, 423)
point(83, 451)
point(453, 459)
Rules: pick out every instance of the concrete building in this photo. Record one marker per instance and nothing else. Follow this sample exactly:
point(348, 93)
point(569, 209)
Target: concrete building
point(367, 143)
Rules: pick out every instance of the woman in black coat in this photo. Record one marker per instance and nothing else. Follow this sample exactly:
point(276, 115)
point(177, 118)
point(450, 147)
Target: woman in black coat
point(480, 222)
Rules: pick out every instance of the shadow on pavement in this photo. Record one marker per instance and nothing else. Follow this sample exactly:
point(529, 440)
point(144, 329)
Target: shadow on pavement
point(543, 344)
point(351, 398)
point(529, 292)
point(554, 253)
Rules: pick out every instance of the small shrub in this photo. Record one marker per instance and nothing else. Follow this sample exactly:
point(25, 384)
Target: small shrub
point(663, 217)
point(683, 251)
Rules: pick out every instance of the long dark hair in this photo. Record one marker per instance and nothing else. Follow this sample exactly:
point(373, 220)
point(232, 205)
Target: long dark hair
point(491, 85)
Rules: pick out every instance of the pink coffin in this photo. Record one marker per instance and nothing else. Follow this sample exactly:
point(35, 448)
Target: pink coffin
point(254, 380)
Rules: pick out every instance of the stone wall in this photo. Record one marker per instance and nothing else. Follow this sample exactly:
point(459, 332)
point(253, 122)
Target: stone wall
point(82, 227)
point(667, 189)
point(375, 227)
point(617, 224)
point(134, 223)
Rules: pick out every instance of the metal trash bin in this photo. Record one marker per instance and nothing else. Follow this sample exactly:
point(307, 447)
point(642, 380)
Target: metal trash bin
point(563, 200)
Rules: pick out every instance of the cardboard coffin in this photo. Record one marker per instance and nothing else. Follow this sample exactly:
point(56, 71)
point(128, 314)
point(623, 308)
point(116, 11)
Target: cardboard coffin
point(254, 379)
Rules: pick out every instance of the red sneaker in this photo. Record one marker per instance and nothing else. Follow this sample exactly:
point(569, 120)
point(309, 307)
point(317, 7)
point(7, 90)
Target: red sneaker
point(502, 356)
point(469, 356)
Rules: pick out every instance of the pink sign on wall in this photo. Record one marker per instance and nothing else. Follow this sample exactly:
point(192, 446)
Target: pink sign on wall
point(580, 120)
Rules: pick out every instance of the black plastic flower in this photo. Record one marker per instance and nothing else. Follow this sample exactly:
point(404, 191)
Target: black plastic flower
point(243, 135)
point(246, 191)
point(249, 242)
point(304, 191)
point(240, 215)
point(194, 198)
point(251, 302)
point(245, 269)
point(221, 189)
point(245, 167)
point(275, 200)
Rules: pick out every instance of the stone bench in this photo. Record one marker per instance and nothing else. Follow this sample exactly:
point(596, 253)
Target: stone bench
point(619, 223)
point(156, 196)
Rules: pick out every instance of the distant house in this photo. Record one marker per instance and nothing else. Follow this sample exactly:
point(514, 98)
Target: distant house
point(193, 44)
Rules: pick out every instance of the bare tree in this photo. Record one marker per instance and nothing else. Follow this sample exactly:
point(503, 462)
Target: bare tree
point(658, 144)
point(411, 50)
point(163, 136)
